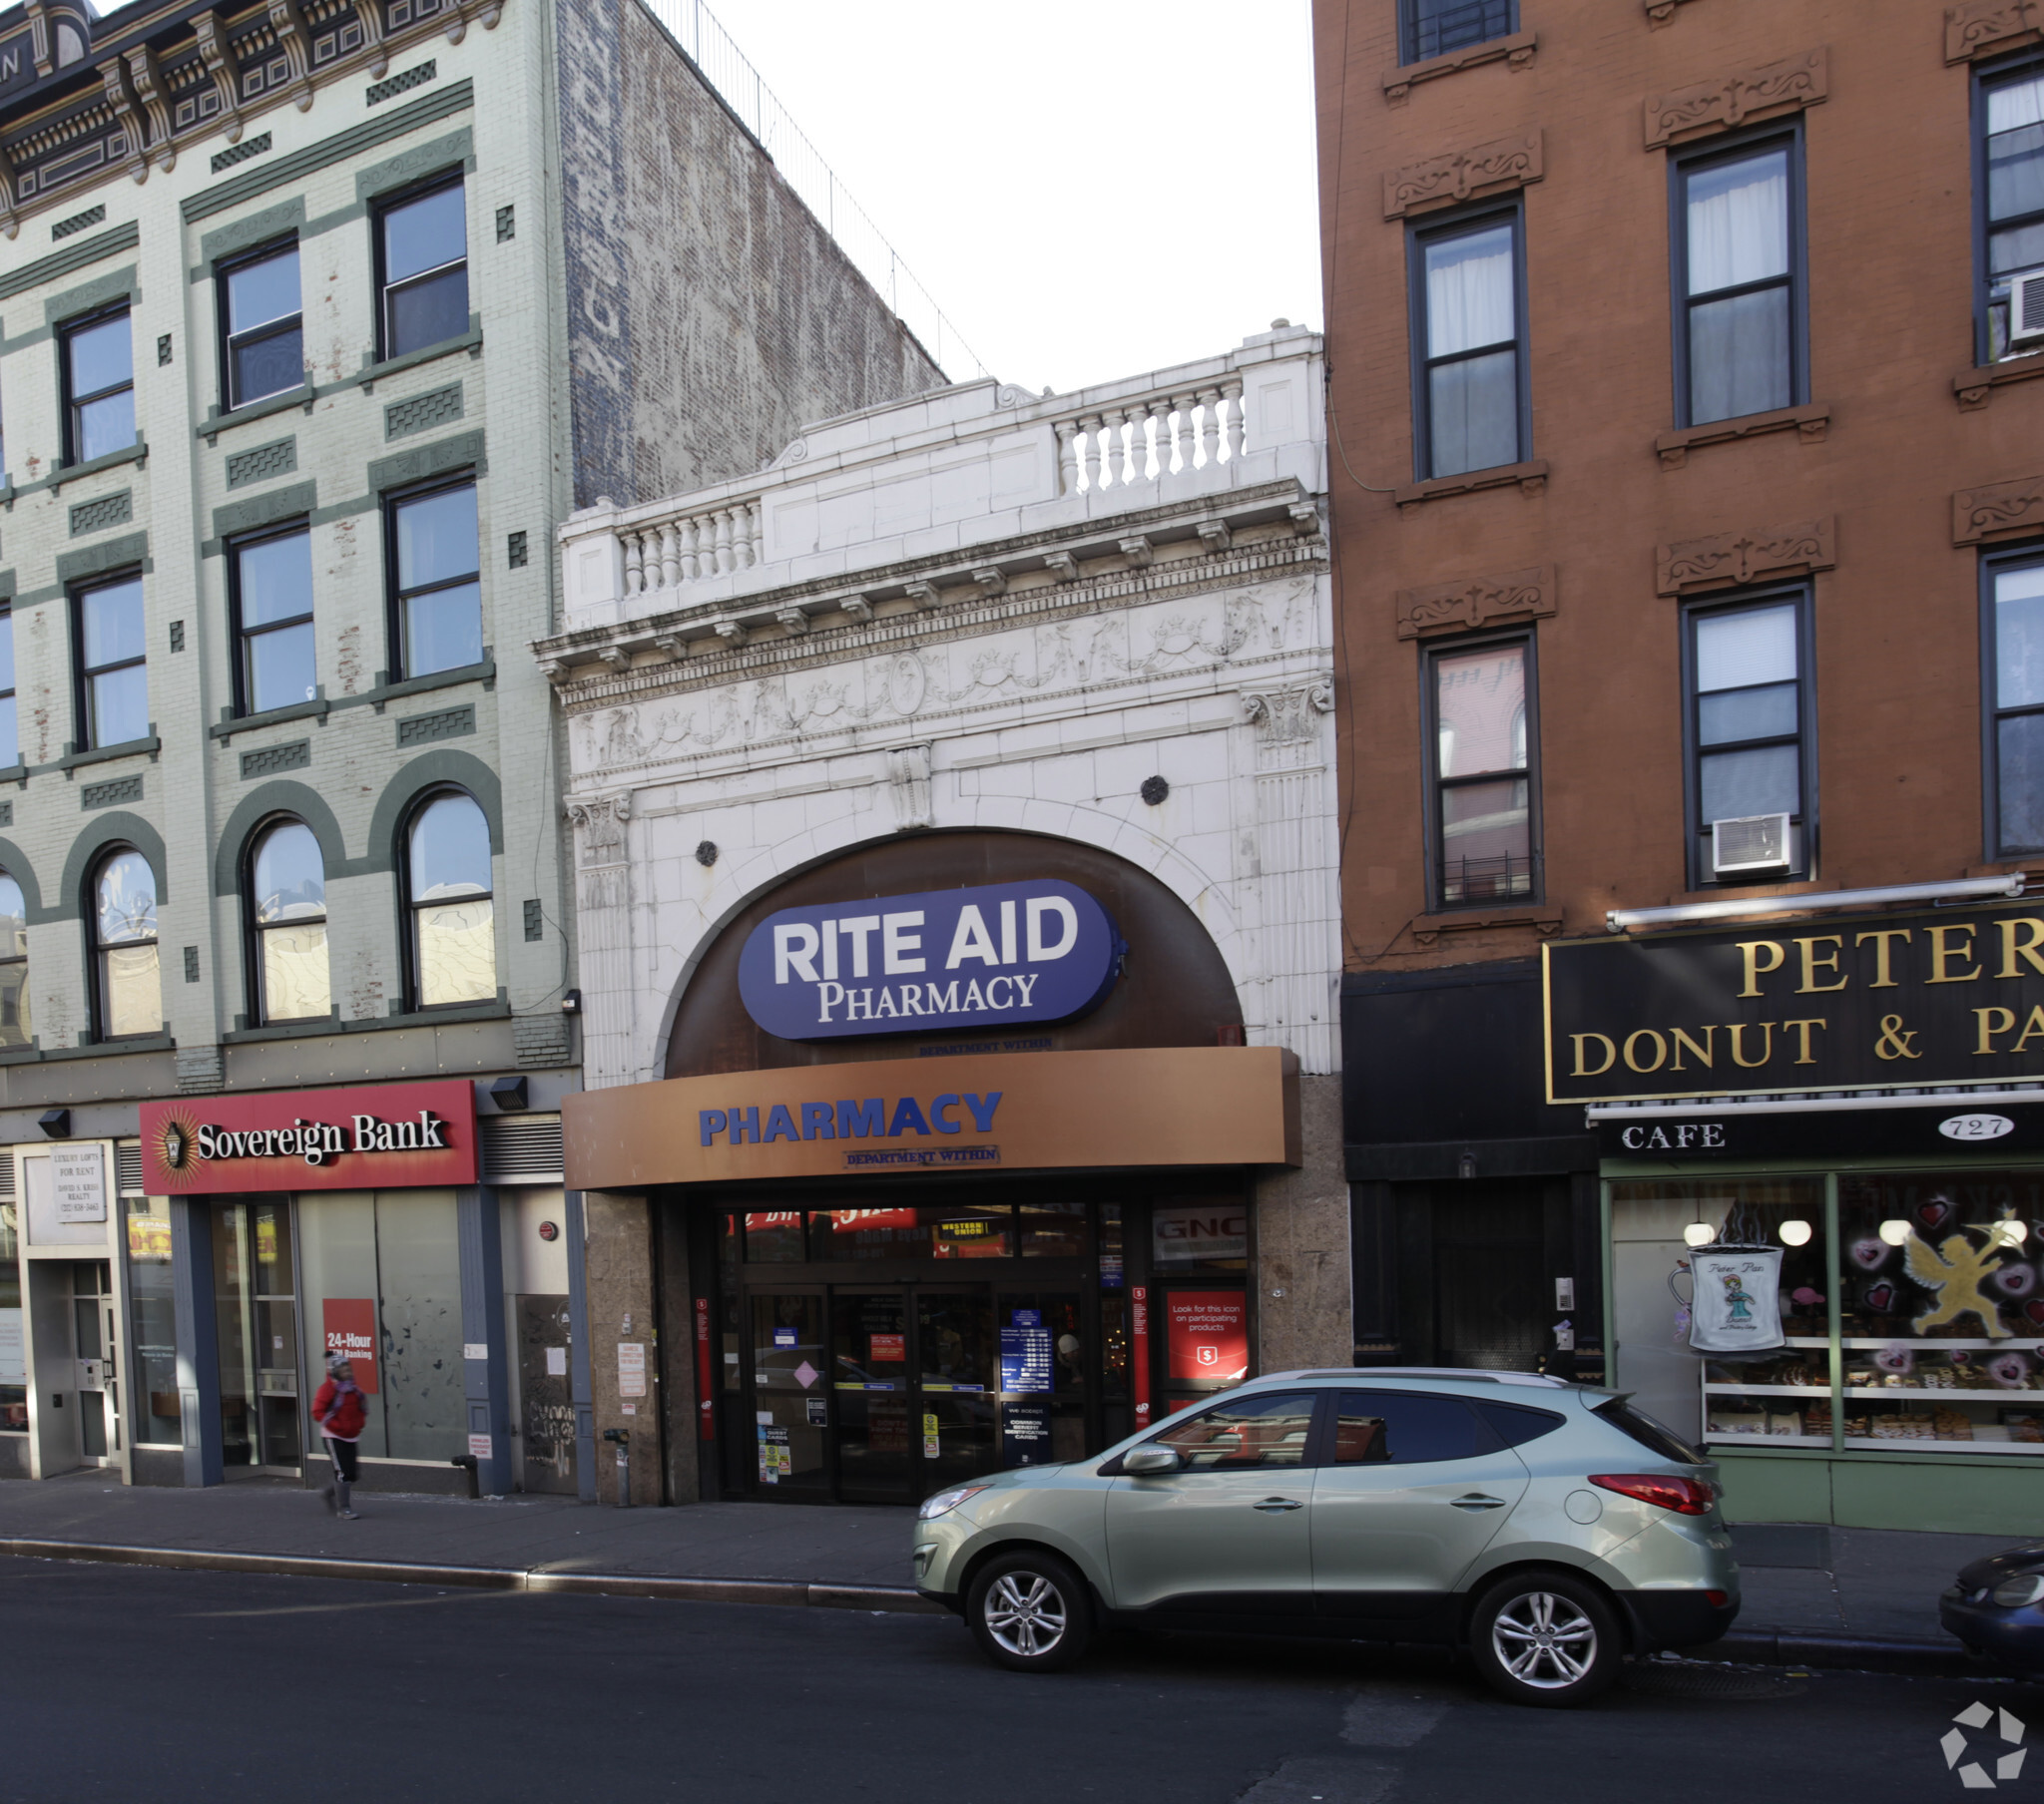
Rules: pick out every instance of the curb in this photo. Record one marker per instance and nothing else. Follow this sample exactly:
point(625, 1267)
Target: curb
point(1858, 1653)
point(795, 1592)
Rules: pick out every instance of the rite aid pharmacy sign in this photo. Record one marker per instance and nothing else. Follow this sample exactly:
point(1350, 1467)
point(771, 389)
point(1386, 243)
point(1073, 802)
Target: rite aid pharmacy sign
point(1005, 955)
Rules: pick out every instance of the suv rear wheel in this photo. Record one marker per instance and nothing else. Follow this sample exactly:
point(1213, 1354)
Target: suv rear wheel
point(1029, 1612)
point(1545, 1638)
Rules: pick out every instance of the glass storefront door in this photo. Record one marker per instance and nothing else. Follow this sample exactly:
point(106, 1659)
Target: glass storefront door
point(255, 1291)
point(791, 1394)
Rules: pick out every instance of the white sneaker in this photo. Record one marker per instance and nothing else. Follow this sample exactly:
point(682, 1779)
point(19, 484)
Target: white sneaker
point(348, 1515)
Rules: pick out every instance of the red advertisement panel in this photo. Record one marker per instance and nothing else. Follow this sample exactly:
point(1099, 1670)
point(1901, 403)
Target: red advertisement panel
point(1206, 1334)
point(391, 1136)
point(350, 1329)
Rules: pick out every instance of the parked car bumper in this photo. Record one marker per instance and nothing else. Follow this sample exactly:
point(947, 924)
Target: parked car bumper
point(2015, 1638)
point(1679, 1618)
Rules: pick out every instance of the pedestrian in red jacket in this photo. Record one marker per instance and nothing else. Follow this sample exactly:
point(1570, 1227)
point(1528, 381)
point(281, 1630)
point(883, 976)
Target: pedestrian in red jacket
point(341, 1415)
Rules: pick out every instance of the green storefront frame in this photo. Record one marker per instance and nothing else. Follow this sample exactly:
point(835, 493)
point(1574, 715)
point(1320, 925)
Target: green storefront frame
point(1850, 1488)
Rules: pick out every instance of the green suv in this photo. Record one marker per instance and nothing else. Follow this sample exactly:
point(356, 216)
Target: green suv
point(1550, 1528)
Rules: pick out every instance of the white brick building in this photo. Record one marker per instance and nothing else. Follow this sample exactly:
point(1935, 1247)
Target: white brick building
point(315, 317)
point(967, 636)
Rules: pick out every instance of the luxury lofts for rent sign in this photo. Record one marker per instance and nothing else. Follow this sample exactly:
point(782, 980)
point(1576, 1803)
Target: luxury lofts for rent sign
point(387, 1137)
point(1873, 1002)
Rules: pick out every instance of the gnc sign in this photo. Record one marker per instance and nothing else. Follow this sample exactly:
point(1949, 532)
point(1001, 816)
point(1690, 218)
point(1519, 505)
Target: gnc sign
point(1181, 1233)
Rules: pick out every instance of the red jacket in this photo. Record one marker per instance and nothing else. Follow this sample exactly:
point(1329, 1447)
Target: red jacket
point(340, 1412)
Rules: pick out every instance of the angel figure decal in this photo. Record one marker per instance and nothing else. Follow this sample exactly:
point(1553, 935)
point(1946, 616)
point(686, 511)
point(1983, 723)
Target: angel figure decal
point(1954, 1271)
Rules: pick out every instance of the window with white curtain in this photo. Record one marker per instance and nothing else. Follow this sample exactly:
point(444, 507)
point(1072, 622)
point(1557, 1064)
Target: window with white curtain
point(2010, 117)
point(1740, 304)
point(1483, 815)
point(1749, 720)
point(1468, 346)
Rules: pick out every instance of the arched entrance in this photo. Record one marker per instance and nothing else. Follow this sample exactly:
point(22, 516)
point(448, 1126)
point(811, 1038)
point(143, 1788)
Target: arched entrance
point(955, 1162)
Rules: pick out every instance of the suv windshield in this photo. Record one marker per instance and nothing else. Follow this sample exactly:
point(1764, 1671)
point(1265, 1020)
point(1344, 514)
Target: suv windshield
point(1651, 1435)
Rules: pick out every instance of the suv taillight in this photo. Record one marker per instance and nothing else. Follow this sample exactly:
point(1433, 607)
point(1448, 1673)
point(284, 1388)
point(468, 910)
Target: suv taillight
point(1686, 1497)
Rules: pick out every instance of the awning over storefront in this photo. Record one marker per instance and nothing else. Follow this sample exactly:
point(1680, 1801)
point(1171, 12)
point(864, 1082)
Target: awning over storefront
point(1166, 1106)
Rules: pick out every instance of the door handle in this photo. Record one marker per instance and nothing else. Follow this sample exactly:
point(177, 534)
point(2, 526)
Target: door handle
point(1275, 1505)
point(1477, 1501)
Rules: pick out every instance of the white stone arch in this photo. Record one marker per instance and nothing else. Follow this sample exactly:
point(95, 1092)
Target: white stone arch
point(761, 868)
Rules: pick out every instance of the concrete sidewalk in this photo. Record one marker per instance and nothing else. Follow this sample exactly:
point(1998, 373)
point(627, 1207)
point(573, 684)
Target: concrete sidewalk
point(1821, 1594)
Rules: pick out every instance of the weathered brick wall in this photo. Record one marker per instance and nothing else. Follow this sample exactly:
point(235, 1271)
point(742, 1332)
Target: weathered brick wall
point(709, 314)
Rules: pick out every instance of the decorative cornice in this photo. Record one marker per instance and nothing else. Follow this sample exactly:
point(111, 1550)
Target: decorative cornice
point(1725, 560)
point(1981, 27)
point(1487, 169)
point(1733, 99)
point(1998, 510)
point(579, 690)
point(1515, 51)
point(1518, 595)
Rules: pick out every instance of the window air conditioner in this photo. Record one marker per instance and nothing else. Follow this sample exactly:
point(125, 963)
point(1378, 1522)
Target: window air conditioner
point(1753, 842)
point(2026, 309)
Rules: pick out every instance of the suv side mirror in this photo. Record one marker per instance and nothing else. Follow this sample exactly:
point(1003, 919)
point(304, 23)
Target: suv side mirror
point(1147, 1462)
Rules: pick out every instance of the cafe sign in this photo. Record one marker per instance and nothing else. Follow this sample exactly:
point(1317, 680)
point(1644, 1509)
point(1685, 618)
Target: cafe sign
point(384, 1137)
point(1001, 954)
point(1876, 1002)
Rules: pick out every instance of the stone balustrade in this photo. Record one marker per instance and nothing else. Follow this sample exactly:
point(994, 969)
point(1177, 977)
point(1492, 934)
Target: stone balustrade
point(1150, 437)
point(666, 556)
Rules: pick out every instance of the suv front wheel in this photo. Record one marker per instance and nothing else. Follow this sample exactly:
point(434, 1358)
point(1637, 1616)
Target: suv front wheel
point(1029, 1612)
point(1545, 1638)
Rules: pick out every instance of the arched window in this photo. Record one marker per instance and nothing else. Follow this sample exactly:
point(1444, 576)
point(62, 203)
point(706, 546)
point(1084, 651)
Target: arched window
point(14, 1022)
point(453, 935)
point(288, 909)
point(131, 991)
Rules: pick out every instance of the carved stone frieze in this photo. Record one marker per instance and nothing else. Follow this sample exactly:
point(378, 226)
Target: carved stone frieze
point(1997, 509)
point(1733, 98)
point(1485, 168)
point(1977, 28)
point(1461, 607)
point(1727, 559)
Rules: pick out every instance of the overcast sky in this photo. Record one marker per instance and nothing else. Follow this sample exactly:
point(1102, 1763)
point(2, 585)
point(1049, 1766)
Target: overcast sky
point(1090, 189)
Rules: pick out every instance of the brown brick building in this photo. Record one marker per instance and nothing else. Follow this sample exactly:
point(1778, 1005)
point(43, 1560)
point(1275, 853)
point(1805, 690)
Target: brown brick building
point(1688, 514)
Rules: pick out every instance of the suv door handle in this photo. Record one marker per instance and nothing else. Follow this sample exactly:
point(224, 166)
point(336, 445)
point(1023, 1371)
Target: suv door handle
point(1272, 1506)
point(1477, 1501)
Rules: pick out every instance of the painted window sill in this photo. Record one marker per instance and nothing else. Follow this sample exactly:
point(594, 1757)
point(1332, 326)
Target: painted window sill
point(1530, 477)
point(1810, 422)
point(137, 453)
point(366, 379)
point(385, 692)
point(105, 755)
point(113, 1049)
point(334, 1027)
point(1517, 50)
point(315, 709)
point(1974, 388)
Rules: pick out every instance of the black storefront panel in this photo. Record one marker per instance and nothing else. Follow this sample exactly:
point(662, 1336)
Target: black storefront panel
point(1873, 1002)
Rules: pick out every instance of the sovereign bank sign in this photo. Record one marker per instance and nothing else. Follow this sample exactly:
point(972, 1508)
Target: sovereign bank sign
point(1004, 956)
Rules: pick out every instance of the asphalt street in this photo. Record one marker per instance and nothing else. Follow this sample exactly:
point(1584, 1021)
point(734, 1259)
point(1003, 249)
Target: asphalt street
point(134, 1683)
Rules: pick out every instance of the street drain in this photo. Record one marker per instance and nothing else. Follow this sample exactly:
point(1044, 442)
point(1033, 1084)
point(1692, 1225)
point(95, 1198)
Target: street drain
point(1727, 1684)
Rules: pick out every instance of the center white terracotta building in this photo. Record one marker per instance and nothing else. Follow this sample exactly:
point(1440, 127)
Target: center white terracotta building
point(955, 820)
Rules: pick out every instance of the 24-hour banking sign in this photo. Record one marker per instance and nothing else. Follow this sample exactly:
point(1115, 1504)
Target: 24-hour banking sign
point(387, 1137)
point(1002, 956)
point(1875, 1002)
